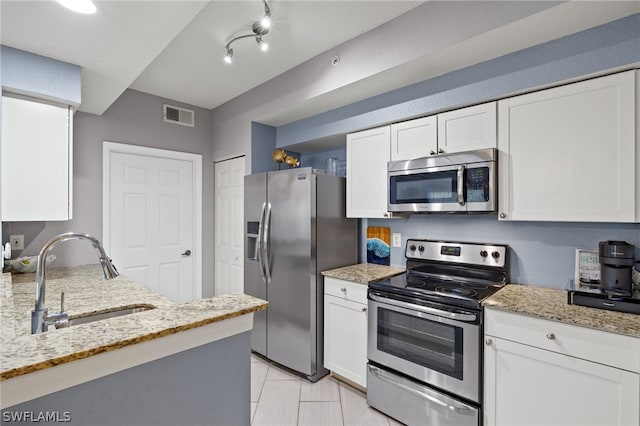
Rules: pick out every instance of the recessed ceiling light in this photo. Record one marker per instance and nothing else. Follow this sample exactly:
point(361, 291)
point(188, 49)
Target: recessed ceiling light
point(81, 6)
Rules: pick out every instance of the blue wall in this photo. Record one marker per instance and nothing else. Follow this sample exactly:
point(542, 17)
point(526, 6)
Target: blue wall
point(30, 74)
point(542, 253)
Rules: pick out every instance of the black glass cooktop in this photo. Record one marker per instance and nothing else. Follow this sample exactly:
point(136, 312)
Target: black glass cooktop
point(453, 290)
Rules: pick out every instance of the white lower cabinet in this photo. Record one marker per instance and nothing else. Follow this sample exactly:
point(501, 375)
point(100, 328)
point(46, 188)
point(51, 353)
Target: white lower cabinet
point(345, 329)
point(540, 372)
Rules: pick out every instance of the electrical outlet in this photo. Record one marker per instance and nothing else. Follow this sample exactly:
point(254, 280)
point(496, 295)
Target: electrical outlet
point(17, 242)
point(396, 239)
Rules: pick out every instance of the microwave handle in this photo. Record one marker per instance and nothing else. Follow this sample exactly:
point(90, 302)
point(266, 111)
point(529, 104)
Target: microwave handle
point(461, 184)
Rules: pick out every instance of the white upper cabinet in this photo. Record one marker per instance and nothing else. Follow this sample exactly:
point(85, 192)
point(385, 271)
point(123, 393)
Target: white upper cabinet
point(570, 153)
point(414, 138)
point(367, 155)
point(467, 129)
point(454, 131)
point(36, 160)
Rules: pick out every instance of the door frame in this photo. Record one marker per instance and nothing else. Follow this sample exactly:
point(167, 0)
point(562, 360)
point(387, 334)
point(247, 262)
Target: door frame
point(196, 160)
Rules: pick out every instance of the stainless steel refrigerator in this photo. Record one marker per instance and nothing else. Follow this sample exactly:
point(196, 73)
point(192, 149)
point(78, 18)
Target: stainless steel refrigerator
point(295, 228)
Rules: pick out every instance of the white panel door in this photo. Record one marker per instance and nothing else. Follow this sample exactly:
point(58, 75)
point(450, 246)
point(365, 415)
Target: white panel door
point(229, 219)
point(151, 222)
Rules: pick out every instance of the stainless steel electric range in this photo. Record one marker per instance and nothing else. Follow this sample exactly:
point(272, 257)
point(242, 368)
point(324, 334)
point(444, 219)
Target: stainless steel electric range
point(425, 332)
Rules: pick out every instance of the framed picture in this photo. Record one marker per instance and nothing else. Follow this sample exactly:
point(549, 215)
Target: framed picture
point(587, 268)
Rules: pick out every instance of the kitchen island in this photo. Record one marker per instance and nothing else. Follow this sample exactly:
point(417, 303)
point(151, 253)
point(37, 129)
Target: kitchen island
point(173, 364)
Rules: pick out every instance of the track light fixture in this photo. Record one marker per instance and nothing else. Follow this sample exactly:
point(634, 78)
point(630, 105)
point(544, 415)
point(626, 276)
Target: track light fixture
point(258, 28)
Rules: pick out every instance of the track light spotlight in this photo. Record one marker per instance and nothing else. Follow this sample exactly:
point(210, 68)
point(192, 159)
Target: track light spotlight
point(264, 46)
point(259, 29)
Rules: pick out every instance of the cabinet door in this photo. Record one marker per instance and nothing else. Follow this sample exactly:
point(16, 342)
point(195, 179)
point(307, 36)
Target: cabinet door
point(367, 157)
point(468, 128)
point(36, 161)
point(414, 138)
point(524, 385)
point(345, 338)
point(568, 153)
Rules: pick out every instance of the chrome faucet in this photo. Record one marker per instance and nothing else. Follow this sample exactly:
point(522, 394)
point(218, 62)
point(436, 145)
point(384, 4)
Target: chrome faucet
point(40, 317)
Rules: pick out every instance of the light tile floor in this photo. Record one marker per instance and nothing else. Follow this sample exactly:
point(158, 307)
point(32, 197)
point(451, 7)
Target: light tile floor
point(279, 398)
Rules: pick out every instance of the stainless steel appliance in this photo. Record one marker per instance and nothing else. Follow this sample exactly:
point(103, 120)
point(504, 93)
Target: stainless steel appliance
point(616, 260)
point(425, 332)
point(296, 227)
point(463, 182)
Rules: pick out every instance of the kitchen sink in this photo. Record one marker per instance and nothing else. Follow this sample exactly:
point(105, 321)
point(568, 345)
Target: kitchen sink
point(111, 313)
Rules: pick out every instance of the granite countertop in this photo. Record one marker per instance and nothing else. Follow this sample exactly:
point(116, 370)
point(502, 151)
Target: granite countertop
point(363, 273)
point(86, 292)
point(551, 304)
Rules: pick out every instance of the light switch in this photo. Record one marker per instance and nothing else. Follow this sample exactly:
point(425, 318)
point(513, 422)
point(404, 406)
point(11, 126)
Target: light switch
point(396, 239)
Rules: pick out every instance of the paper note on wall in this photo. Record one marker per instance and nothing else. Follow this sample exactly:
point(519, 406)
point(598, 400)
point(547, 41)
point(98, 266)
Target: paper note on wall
point(378, 245)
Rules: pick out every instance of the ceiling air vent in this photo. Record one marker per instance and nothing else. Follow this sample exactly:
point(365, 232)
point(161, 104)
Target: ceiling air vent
point(177, 115)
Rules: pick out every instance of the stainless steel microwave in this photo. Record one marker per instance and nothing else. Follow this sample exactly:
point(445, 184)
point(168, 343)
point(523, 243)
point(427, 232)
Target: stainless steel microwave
point(463, 182)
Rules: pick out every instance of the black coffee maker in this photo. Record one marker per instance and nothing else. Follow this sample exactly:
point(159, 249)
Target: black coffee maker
point(616, 262)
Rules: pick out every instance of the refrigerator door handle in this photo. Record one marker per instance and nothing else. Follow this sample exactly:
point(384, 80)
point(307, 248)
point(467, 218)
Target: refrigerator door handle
point(265, 246)
point(260, 244)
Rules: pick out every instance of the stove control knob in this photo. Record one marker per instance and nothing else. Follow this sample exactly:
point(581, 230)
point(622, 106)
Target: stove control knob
point(495, 254)
point(483, 253)
point(420, 249)
point(412, 247)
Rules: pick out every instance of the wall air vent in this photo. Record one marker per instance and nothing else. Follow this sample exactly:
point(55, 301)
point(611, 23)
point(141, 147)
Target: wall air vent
point(172, 114)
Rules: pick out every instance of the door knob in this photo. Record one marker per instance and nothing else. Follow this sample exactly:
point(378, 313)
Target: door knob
point(186, 253)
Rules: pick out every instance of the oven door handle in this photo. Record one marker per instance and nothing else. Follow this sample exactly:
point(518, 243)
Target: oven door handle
point(461, 409)
point(427, 310)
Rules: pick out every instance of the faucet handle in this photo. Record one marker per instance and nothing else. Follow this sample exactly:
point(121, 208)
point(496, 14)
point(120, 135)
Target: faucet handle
point(62, 302)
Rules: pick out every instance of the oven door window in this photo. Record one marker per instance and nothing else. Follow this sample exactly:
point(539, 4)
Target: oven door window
point(424, 188)
point(427, 343)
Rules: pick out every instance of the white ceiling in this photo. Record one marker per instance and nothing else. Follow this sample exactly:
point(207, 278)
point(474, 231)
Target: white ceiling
point(174, 49)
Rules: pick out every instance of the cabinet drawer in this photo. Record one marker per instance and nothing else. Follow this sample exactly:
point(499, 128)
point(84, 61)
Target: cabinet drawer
point(347, 290)
point(593, 345)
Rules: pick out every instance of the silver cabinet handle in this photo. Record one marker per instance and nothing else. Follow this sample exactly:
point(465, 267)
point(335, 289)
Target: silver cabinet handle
point(503, 215)
point(432, 152)
point(364, 309)
point(343, 289)
point(440, 151)
point(551, 336)
point(186, 253)
point(385, 214)
point(488, 342)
